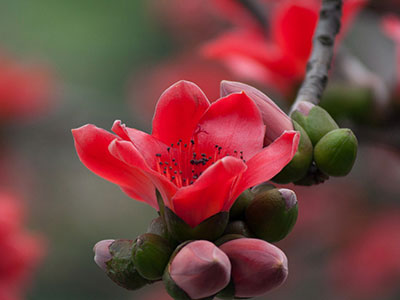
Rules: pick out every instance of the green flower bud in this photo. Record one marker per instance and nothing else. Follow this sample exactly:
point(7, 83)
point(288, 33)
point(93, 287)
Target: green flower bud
point(240, 205)
point(210, 229)
point(317, 123)
point(262, 187)
point(120, 267)
point(272, 214)
point(151, 254)
point(158, 227)
point(300, 163)
point(336, 152)
point(238, 227)
point(228, 237)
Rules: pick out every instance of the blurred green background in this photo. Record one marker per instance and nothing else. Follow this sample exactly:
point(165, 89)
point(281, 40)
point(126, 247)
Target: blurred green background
point(97, 49)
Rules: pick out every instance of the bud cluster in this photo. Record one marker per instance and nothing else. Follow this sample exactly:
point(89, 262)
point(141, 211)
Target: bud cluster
point(324, 149)
point(227, 256)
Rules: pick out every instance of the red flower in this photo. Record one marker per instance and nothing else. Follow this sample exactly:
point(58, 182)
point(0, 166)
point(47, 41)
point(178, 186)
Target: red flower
point(20, 250)
point(199, 156)
point(278, 58)
point(25, 91)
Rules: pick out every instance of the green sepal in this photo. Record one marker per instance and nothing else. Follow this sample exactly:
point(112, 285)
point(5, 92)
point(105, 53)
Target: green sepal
point(336, 152)
point(317, 123)
point(151, 254)
point(228, 237)
point(172, 289)
point(238, 227)
point(314, 176)
point(157, 226)
point(121, 269)
point(262, 187)
point(269, 218)
point(239, 206)
point(301, 161)
point(210, 229)
point(228, 292)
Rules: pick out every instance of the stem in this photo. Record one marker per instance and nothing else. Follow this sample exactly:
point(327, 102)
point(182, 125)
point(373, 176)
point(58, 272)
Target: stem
point(321, 56)
point(255, 9)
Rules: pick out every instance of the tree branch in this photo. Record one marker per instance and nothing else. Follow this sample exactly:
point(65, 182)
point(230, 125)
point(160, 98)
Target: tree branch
point(321, 56)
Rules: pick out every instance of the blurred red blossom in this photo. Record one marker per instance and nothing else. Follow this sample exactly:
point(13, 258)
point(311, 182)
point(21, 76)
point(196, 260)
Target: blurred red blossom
point(369, 266)
point(26, 90)
point(277, 58)
point(21, 250)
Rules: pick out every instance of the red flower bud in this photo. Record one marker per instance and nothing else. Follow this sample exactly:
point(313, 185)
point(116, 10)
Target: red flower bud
point(102, 253)
point(275, 119)
point(200, 269)
point(257, 266)
point(303, 107)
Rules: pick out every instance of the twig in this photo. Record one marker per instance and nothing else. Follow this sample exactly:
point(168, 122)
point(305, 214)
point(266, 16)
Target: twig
point(255, 9)
point(321, 57)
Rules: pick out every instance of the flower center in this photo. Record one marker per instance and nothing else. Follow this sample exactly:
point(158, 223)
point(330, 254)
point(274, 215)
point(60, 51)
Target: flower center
point(182, 164)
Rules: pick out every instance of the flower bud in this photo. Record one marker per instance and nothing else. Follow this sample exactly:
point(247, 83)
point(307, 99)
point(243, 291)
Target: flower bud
point(238, 227)
point(210, 229)
point(303, 107)
point(275, 119)
point(257, 266)
point(115, 258)
point(197, 270)
point(228, 237)
point(102, 253)
point(272, 214)
point(238, 208)
point(301, 161)
point(157, 226)
point(317, 123)
point(262, 187)
point(151, 254)
point(336, 152)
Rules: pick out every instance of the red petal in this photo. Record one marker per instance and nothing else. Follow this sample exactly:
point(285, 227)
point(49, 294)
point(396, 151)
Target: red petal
point(295, 40)
point(178, 111)
point(251, 47)
point(129, 154)
point(269, 162)
point(207, 196)
point(233, 123)
point(91, 144)
point(147, 145)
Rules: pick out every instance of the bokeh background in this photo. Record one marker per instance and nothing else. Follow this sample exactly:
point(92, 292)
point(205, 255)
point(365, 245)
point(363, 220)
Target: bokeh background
point(64, 64)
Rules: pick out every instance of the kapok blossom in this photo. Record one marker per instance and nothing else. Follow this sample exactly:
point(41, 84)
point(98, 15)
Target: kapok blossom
point(277, 58)
point(25, 90)
point(21, 250)
point(200, 156)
